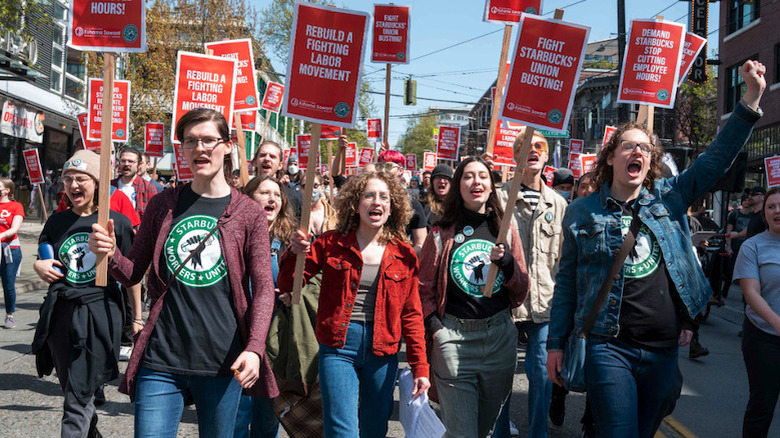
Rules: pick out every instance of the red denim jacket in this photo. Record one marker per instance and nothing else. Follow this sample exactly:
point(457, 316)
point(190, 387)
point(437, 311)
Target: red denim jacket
point(397, 311)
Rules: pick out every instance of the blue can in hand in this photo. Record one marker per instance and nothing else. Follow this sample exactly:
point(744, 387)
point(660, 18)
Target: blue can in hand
point(46, 252)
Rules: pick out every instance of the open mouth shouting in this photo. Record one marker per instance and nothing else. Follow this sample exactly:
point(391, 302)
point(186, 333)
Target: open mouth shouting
point(634, 168)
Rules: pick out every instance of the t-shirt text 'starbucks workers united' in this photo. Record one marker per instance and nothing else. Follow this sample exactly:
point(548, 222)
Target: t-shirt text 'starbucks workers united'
point(646, 256)
point(206, 266)
point(77, 259)
point(469, 267)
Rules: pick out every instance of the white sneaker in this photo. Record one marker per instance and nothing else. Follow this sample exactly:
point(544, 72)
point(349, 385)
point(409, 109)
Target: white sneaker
point(124, 353)
point(513, 429)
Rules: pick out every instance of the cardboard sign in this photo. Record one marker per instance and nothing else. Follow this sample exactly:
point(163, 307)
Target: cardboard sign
point(90, 145)
point(329, 132)
point(576, 146)
point(449, 140)
point(121, 108)
point(429, 160)
point(33, 163)
point(302, 145)
point(246, 86)
point(107, 25)
point(506, 134)
point(203, 81)
point(691, 47)
point(324, 67)
point(548, 175)
point(351, 155)
point(183, 171)
point(154, 139)
point(411, 162)
point(374, 129)
point(248, 120)
point(510, 11)
point(651, 65)
point(608, 131)
point(772, 166)
point(391, 34)
point(272, 98)
point(366, 156)
point(22, 122)
point(545, 70)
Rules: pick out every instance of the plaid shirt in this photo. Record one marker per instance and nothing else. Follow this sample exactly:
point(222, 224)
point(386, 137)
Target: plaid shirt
point(144, 191)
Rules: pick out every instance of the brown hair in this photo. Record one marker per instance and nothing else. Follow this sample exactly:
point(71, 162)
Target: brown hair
point(7, 183)
point(283, 165)
point(770, 192)
point(452, 213)
point(200, 115)
point(602, 173)
point(285, 224)
point(521, 136)
point(348, 200)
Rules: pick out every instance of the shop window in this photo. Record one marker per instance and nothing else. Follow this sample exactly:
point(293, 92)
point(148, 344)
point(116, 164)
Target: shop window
point(777, 63)
point(735, 86)
point(56, 81)
point(742, 13)
point(74, 89)
point(57, 56)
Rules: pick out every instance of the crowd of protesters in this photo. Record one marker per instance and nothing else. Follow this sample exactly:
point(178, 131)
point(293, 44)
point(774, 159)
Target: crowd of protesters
point(385, 262)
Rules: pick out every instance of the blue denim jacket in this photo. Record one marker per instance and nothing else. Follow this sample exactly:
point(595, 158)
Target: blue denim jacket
point(592, 237)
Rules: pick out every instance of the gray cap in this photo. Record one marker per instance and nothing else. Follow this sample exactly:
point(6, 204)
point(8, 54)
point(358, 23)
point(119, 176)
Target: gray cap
point(562, 176)
point(442, 170)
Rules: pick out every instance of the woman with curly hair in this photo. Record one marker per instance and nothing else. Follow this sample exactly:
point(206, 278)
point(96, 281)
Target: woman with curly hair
point(368, 299)
point(632, 349)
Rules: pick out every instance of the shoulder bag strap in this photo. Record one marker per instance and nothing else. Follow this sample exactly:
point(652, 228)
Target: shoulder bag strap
point(197, 250)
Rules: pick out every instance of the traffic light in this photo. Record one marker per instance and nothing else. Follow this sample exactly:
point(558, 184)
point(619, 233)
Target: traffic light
point(410, 92)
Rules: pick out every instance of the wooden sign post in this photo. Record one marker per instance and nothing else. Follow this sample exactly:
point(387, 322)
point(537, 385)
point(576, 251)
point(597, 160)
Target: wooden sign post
point(101, 274)
point(499, 89)
point(300, 259)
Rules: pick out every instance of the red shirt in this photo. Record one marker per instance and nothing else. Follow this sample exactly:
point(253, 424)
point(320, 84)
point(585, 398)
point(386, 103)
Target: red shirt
point(397, 310)
point(119, 202)
point(8, 211)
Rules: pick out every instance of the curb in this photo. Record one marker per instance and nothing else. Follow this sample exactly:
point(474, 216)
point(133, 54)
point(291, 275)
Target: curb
point(24, 285)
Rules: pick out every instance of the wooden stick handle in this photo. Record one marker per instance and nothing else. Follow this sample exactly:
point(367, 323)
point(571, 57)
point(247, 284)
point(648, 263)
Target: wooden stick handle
point(43, 202)
point(241, 150)
point(300, 259)
point(386, 128)
point(499, 89)
point(101, 274)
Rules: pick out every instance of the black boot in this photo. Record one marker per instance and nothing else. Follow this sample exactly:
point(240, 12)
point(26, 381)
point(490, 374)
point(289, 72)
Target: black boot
point(558, 405)
point(696, 349)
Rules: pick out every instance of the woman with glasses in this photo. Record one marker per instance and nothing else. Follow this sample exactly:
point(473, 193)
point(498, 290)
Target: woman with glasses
point(204, 338)
point(80, 323)
point(632, 349)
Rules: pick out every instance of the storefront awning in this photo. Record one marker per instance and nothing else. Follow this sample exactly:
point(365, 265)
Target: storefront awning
point(29, 94)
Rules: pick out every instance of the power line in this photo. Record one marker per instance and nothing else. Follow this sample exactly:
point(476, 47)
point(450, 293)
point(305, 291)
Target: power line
point(424, 98)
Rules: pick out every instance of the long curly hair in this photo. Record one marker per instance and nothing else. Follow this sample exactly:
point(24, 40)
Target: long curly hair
point(602, 173)
point(347, 204)
point(285, 224)
point(453, 207)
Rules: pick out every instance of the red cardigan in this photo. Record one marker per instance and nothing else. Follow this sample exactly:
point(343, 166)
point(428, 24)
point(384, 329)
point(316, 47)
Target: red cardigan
point(243, 238)
point(397, 310)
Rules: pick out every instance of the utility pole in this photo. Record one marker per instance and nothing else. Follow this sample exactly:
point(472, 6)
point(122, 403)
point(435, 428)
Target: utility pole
point(621, 41)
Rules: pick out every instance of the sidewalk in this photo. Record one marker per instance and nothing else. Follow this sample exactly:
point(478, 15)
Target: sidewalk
point(28, 236)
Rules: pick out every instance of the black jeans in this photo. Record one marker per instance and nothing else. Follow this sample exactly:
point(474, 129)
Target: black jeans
point(761, 352)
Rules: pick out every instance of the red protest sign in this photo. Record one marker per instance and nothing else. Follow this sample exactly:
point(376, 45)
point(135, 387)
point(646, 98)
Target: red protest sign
point(203, 81)
point(302, 145)
point(576, 146)
point(575, 165)
point(772, 166)
point(248, 120)
point(588, 162)
point(503, 149)
point(90, 145)
point(183, 171)
point(449, 140)
point(374, 129)
point(391, 34)
point(330, 132)
point(286, 156)
point(652, 62)
point(108, 25)
point(548, 174)
point(272, 98)
point(121, 110)
point(351, 155)
point(429, 160)
point(510, 11)
point(33, 163)
point(545, 69)
point(154, 139)
point(411, 162)
point(324, 68)
point(691, 47)
point(246, 86)
point(608, 131)
point(366, 156)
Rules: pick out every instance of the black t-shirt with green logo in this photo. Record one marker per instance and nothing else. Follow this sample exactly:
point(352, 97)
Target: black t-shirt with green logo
point(197, 331)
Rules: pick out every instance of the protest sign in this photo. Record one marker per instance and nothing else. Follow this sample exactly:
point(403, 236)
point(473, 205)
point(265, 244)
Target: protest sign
point(108, 25)
point(391, 34)
point(691, 47)
point(772, 166)
point(272, 98)
point(374, 129)
point(248, 120)
point(245, 97)
point(21, 121)
point(203, 81)
point(429, 160)
point(575, 165)
point(90, 145)
point(351, 155)
point(154, 139)
point(411, 162)
point(366, 156)
point(33, 163)
point(651, 64)
point(608, 131)
point(120, 110)
point(324, 67)
point(506, 134)
point(183, 171)
point(587, 163)
point(510, 11)
point(545, 69)
point(449, 140)
point(330, 132)
point(576, 146)
point(302, 147)
point(548, 175)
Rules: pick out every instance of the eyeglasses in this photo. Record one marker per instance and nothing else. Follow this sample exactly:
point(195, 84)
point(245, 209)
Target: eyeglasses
point(128, 162)
point(80, 181)
point(630, 146)
point(208, 143)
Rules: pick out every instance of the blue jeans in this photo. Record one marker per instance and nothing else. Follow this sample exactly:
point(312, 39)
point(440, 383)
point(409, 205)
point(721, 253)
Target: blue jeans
point(8, 273)
point(627, 385)
point(357, 386)
point(259, 413)
point(160, 396)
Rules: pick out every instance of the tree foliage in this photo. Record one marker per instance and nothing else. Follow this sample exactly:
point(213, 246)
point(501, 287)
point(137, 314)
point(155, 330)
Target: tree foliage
point(696, 110)
point(418, 137)
point(35, 12)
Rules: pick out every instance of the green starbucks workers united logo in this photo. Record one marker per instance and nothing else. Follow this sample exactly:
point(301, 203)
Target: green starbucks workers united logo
point(646, 257)
point(130, 33)
point(207, 266)
point(470, 265)
point(662, 94)
point(78, 260)
point(341, 110)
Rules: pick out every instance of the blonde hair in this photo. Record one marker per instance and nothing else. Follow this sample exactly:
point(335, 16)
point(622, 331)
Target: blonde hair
point(7, 183)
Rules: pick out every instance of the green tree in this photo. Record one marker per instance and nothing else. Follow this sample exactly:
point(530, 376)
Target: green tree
point(418, 137)
point(34, 12)
point(696, 113)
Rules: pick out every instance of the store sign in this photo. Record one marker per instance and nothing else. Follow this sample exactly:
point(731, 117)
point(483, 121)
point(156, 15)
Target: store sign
point(33, 163)
point(22, 122)
point(120, 118)
point(391, 34)
point(108, 25)
point(246, 86)
point(154, 142)
point(699, 15)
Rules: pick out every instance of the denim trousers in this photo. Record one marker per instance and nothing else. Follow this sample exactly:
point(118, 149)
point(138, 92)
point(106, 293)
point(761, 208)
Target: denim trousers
point(357, 385)
point(256, 418)
point(627, 385)
point(8, 273)
point(473, 363)
point(160, 397)
point(761, 352)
